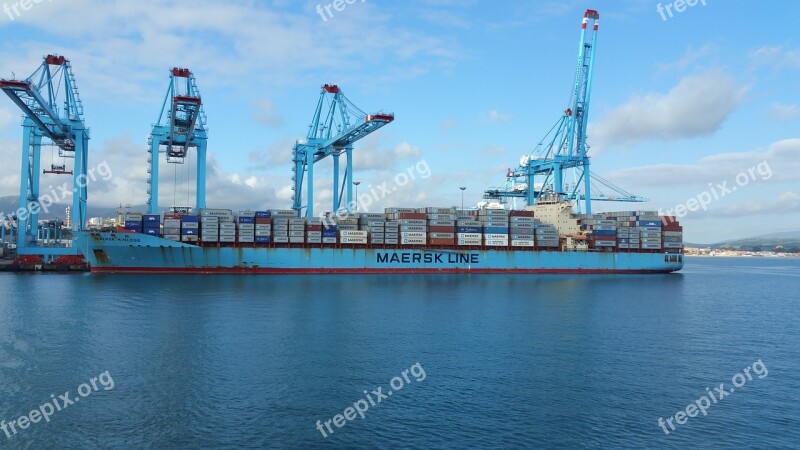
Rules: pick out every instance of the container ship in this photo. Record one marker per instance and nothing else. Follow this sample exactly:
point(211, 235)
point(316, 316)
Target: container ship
point(546, 238)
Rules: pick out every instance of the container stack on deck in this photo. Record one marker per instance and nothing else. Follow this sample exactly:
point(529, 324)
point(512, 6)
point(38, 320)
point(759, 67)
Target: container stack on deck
point(633, 230)
point(625, 231)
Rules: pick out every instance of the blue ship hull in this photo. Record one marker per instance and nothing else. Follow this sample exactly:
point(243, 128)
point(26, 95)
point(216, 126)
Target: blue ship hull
point(138, 253)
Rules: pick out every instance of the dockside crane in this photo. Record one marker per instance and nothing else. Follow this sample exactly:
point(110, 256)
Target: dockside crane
point(181, 126)
point(332, 133)
point(53, 112)
point(564, 151)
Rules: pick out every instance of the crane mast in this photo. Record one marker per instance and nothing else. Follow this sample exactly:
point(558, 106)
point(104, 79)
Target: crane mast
point(52, 110)
point(332, 132)
point(181, 126)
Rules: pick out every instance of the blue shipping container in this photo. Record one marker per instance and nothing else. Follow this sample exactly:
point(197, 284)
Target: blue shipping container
point(651, 223)
point(189, 231)
point(604, 232)
point(263, 239)
point(150, 218)
point(133, 224)
point(247, 219)
point(495, 230)
point(188, 218)
point(152, 231)
point(469, 230)
point(264, 214)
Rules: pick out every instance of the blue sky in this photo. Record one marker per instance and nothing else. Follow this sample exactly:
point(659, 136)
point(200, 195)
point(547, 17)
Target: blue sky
point(679, 106)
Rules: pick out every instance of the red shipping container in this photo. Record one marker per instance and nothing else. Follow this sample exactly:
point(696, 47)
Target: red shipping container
point(441, 229)
point(313, 227)
point(521, 213)
point(263, 220)
point(415, 216)
point(433, 241)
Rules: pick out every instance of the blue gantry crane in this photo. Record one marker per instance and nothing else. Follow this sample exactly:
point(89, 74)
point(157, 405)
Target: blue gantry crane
point(181, 125)
point(53, 113)
point(331, 133)
point(563, 151)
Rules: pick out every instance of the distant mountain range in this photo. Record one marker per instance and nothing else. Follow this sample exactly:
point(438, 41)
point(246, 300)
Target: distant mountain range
point(9, 204)
point(788, 241)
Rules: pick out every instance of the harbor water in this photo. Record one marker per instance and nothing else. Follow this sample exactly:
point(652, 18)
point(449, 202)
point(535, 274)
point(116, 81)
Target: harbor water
point(483, 361)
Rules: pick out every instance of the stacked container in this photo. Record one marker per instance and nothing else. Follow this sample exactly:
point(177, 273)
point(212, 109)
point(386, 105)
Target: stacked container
point(151, 224)
point(314, 230)
point(672, 233)
point(280, 229)
point(358, 237)
point(469, 230)
point(172, 227)
point(377, 232)
point(209, 228)
point(263, 227)
point(133, 222)
point(495, 227)
point(329, 233)
point(391, 232)
point(297, 230)
point(190, 228)
point(522, 227)
point(441, 226)
point(546, 235)
point(247, 227)
point(413, 228)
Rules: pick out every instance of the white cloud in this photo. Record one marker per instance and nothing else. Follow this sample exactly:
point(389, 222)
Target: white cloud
point(495, 116)
point(781, 112)
point(781, 158)
point(777, 57)
point(786, 203)
point(697, 106)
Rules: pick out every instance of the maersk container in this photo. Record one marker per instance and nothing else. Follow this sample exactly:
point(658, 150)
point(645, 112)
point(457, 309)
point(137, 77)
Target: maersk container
point(471, 242)
point(597, 232)
point(393, 241)
point(392, 235)
point(190, 226)
point(314, 234)
point(413, 228)
point(172, 237)
point(297, 239)
point(447, 217)
point(209, 238)
point(227, 239)
point(280, 239)
point(412, 241)
point(469, 235)
point(547, 242)
point(441, 235)
point(522, 243)
point(521, 230)
point(495, 236)
point(263, 233)
point(496, 243)
point(284, 213)
point(227, 232)
point(328, 239)
point(522, 237)
point(353, 240)
point(442, 223)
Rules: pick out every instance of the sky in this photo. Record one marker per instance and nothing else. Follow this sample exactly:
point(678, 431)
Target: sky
point(694, 107)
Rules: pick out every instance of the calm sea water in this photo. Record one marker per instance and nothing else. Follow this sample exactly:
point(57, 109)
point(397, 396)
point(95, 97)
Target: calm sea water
point(504, 361)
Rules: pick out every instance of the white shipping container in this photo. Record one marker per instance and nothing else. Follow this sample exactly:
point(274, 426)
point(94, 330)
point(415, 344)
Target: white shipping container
point(353, 234)
point(412, 235)
point(469, 242)
point(227, 233)
point(412, 241)
point(329, 240)
point(353, 240)
point(470, 236)
point(492, 236)
point(522, 243)
point(263, 233)
point(496, 242)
